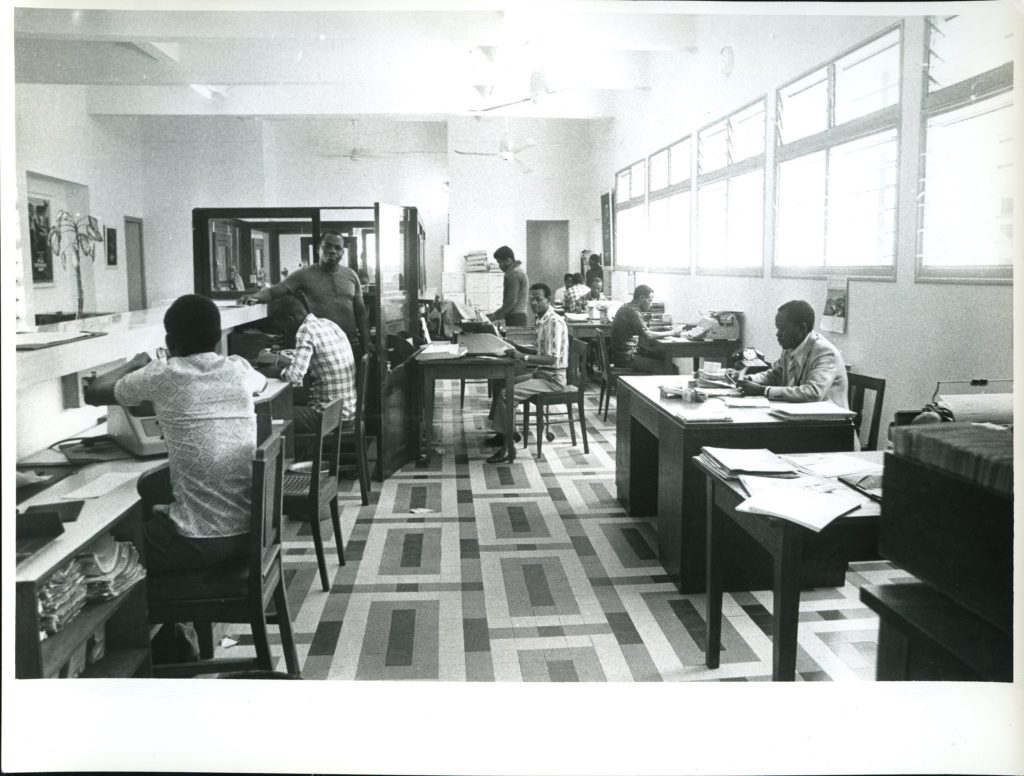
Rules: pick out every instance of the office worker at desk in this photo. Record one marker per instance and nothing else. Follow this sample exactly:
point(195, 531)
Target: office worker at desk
point(810, 368)
point(514, 289)
point(331, 291)
point(204, 404)
point(323, 355)
point(629, 332)
point(551, 360)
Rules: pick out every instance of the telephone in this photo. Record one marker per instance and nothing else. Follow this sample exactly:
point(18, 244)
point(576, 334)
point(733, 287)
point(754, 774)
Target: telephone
point(748, 360)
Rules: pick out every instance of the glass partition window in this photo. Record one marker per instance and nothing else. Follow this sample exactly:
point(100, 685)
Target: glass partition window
point(968, 146)
point(837, 167)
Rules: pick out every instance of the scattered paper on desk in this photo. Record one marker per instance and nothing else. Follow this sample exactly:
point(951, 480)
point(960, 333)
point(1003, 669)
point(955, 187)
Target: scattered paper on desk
point(807, 508)
point(420, 510)
point(747, 401)
point(709, 412)
point(831, 464)
point(103, 484)
point(228, 641)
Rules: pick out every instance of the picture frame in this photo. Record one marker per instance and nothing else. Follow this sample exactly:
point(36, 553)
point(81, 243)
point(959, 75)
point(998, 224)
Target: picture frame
point(41, 258)
point(110, 237)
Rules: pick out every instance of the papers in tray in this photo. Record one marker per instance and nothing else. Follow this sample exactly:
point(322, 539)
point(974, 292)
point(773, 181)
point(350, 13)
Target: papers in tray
point(811, 410)
point(439, 350)
point(811, 509)
point(736, 461)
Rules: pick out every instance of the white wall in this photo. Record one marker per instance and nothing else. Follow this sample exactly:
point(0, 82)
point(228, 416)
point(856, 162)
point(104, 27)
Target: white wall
point(911, 334)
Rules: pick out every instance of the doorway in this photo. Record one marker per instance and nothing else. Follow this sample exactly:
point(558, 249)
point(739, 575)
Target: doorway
point(135, 264)
point(547, 252)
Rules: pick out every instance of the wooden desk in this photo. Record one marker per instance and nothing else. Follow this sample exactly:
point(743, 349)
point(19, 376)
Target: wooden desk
point(587, 330)
point(466, 368)
point(680, 347)
point(791, 547)
point(655, 475)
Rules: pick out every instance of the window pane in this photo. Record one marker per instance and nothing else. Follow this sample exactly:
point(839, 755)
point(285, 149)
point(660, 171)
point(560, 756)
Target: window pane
point(969, 150)
point(861, 210)
point(659, 170)
point(637, 179)
point(631, 226)
point(711, 225)
point(747, 137)
point(679, 229)
point(657, 233)
point(960, 47)
point(622, 186)
point(746, 220)
point(869, 78)
point(800, 216)
point(803, 107)
point(713, 150)
point(679, 161)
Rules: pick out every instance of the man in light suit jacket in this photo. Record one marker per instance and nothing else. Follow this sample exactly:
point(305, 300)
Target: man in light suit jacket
point(810, 368)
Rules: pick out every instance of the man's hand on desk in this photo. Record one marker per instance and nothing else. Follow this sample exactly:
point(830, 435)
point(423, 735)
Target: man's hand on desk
point(750, 388)
point(139, 360)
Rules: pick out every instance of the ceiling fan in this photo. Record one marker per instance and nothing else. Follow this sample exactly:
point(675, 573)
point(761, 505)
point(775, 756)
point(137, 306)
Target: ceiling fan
point(538, 88)
point(507, 151)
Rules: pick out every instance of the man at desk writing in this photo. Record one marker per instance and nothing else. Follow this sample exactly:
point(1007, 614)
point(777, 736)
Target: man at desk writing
point(551, 360)
point(629, 333)
point(810, 368)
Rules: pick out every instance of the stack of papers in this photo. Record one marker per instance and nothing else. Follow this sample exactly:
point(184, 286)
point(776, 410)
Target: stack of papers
point(718, 380)
point(475, 261)
point(711, 412)
point(438, 350)
point(110, 569)
point(811, 410)
point(61, 598)
point(732, 462)
point(748, 401)
point(811, 509)
point(832, 464)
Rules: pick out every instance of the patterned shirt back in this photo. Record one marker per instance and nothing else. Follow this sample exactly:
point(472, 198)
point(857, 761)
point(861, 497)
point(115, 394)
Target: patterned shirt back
point(323, 352)
point(553, 340)
point(576, 298)
point(204, 405)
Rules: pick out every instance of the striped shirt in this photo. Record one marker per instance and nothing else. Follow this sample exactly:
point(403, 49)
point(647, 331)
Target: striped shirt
point(553, 340)
point(576, 298)
point(322, 351)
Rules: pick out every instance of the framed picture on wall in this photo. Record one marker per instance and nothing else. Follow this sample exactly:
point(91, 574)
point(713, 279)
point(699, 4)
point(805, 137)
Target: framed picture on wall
point(39, 240)
point(111, 239)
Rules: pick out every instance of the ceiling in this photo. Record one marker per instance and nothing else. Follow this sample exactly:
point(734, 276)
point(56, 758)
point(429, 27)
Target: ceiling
point(566, 60)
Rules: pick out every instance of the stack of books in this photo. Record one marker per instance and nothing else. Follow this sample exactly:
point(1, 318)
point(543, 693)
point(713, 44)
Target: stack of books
point(731, 462)
point(110, 568)
point(714, 380)
point(811, 410)
point(981, 454)
point(475, 261)
point(61, 598)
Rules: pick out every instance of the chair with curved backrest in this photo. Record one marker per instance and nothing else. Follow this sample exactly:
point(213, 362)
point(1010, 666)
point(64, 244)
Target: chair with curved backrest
point(354, 436)
point(858, 384)
point(239, 592)
point(576, 376)
point(609, 374)
point(309, 489)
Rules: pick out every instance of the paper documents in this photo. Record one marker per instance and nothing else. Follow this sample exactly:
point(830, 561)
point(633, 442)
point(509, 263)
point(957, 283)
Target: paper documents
point(438, 350)
point(103, 484)
point(813, 510)
point(810, 410)
point(832, 464)
point(747, 401)
point(709, 412)
point(738, 461)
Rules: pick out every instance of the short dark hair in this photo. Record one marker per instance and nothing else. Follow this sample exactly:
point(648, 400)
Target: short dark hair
point(542, 287)
point(324, 235)
point(285, 306)
point(642, 290)
point(577, 277)
point(504, 253)
point(567, 276)
point(595, 259)
point(192, 322)
point(798, 311)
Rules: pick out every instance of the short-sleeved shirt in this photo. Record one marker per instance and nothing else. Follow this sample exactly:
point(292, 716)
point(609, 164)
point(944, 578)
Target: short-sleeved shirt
point(323, 352)
point(553, 340)
point(576, 298)
point(331, 295)
point(204, 405)
point(627, 327)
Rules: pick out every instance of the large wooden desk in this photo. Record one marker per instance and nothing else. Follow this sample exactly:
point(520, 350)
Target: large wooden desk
point(791, 546)
point(466, 368)
point(655, 475)
point(680, 347)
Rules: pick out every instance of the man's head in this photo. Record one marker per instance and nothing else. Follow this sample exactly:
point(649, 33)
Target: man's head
point(596, 286)
point(793, 322)
point(332, 248)
point(504, 256)
point(567, 279)
point(288, 312)
point(540, 295)
point(192, 325)
point(577, 278)
point(642, 296)
point(595, 259)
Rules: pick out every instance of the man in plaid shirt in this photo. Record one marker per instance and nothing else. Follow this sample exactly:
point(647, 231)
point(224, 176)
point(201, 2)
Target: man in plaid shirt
point(576, 295)
point(322, 358)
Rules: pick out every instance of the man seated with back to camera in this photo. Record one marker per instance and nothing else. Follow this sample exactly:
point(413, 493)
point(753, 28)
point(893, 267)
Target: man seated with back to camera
point(575, 300)
point(322, 359)
point(810, 368)
point(551, 359)
point(630, 333)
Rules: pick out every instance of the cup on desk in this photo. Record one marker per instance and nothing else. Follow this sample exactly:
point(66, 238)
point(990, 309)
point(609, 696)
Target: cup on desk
point(712, 367)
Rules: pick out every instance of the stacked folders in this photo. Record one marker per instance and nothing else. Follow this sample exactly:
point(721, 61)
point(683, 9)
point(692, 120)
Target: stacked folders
point(731, 462)
point(981, 454)
point(110, 568)
point(811, 410)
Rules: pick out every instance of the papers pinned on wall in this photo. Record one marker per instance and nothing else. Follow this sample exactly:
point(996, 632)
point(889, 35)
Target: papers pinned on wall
point(833, 317)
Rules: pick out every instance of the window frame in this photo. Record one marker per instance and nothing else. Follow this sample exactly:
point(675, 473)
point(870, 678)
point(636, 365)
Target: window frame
point(630, 203)
point(876, 122)
point(988, 84)
point(730, 170)
point(669, 190)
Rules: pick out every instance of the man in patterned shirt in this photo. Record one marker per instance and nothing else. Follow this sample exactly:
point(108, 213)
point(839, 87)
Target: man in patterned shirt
point(204, 404)
point(576, 295)
point(551, 359)
point(323, 355)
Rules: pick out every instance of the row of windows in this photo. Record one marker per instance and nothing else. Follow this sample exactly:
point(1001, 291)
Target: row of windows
point(836, 168)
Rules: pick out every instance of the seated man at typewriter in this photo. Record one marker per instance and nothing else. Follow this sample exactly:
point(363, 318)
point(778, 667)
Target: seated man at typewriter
point(629, 334)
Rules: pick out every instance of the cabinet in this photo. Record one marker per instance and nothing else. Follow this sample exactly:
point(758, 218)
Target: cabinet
point(484, 290)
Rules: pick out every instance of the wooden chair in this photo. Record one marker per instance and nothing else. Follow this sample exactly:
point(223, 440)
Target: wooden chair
point(354, 437)
point(576, 375)
point(857, 385)
point(306, 492)
point(242, 591)
point(609, 374)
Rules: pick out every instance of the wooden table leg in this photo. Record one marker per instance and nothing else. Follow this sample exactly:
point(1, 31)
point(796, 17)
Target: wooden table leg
point(713, 576)
point(786, 602)
point(510, 410)
point(427, 414)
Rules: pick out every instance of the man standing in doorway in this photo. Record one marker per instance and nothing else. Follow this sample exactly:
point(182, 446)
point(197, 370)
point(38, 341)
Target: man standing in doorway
point(330, 290)
point(515, 290)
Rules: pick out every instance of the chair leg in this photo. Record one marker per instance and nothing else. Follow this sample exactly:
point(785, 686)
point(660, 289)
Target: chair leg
point(583, 428)
point(364, 476)
point(261, 639)
point(526, 423)
point(540, 428)
point(284, 625)
point(204, 632)
point(572, 427)
point(318, 544)
point(462, 393)
point(336, 524)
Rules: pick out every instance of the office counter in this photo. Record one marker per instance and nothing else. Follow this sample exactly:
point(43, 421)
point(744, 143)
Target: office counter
point(655, 475)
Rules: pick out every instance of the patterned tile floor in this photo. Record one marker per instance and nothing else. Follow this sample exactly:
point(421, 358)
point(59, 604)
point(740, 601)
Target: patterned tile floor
point(532, 572)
